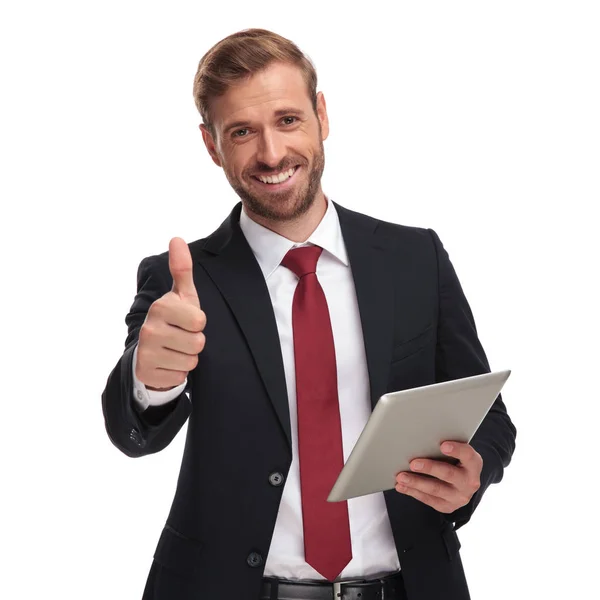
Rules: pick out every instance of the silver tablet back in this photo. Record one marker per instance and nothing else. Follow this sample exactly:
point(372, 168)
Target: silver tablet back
point(412, 424)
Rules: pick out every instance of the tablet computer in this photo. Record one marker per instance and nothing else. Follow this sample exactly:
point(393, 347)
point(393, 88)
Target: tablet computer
point(413, 424)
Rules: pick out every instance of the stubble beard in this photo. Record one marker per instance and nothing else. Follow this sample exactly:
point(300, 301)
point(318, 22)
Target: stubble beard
point(288, 205)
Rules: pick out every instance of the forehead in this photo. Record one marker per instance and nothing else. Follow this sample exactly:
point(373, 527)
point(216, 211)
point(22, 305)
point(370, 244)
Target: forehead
point(266, 91)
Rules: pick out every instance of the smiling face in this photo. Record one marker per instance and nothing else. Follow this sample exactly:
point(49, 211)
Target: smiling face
point(269, 142)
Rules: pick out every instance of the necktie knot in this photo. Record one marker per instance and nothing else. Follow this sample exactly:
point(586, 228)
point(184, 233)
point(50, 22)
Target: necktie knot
point(302, 261)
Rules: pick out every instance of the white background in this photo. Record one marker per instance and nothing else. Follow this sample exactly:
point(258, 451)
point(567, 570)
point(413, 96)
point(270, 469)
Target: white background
point(477, 119)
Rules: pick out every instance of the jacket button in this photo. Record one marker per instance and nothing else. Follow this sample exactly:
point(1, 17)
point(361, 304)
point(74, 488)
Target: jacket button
point(254, 559)
point(276, 479)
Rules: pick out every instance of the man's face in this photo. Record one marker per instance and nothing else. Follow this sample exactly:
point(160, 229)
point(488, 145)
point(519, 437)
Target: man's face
point(266, 127)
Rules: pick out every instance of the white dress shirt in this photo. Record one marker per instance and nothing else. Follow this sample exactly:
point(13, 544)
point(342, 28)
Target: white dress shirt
point(373, 549)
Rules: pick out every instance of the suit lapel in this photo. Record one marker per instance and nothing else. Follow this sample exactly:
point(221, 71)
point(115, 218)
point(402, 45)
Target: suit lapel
point(370, 262)
point(237, 274)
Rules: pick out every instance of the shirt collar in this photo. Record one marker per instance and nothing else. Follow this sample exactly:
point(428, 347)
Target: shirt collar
point(269, 247)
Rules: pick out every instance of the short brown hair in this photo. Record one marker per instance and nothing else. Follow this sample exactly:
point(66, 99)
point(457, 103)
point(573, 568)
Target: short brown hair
point(238, 57)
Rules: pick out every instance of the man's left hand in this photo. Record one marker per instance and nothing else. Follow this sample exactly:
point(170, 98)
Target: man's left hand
point(450, 487)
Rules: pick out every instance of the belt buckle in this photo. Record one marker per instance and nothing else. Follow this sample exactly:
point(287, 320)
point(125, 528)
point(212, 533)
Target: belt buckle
point(337, 590)
point(337, 587)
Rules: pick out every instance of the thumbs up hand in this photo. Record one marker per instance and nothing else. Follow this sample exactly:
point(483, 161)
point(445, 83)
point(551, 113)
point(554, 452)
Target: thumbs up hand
point(171, 337)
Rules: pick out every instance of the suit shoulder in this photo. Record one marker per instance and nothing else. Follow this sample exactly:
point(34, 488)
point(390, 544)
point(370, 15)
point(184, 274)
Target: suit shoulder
point(408, 240)
point(396, 233)
point(407, 232)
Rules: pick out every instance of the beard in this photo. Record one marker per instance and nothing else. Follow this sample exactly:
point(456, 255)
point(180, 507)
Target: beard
point(286, 205)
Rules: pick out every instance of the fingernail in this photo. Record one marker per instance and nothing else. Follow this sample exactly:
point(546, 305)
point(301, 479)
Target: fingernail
point(404, 478)
point(417, 465)
point(447, 447)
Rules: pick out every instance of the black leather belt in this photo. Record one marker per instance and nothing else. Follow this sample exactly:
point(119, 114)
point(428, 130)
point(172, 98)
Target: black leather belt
point(390, 587)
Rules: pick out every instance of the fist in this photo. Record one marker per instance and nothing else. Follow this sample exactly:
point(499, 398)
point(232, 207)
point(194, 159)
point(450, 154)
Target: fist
point(171, 337)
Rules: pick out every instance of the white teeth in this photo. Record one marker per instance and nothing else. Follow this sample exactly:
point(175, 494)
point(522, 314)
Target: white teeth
point(278, 178)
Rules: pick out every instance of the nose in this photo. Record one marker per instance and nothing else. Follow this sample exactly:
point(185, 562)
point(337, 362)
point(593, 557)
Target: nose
point(271, 148)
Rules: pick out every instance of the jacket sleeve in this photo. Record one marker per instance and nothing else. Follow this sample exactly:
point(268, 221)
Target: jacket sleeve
point(136, 432)
point(459, 354)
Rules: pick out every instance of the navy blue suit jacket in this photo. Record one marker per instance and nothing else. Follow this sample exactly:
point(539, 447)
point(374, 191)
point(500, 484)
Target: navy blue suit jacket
point(418, 329)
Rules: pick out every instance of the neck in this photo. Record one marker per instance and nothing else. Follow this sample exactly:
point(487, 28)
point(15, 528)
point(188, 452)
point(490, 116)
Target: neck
point(300, 229)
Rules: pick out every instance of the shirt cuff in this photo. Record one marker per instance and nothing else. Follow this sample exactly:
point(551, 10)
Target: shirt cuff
point(144, 397)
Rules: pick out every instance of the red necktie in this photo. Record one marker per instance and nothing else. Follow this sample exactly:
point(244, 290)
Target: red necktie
point(327, 546)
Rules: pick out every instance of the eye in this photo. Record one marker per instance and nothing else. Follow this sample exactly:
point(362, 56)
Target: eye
point(238, 133)
point(289, 120)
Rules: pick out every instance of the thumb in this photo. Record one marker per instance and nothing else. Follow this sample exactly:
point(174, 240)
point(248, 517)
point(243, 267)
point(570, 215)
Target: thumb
point(180, 266)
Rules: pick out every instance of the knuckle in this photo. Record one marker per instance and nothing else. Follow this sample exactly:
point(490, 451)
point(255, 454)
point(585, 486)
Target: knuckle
point(146, 333)
point(192, 362)
point(477, 458)
point(157, 308)
point(200, 343)
point(199, 320)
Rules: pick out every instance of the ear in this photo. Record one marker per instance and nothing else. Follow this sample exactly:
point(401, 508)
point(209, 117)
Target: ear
point(322, 114)
point(209, 142)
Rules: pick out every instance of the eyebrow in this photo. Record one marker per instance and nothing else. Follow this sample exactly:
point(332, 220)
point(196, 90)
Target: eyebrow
point(282, 112)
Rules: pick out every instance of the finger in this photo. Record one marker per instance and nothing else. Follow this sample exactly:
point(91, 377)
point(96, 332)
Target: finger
point(170, 360)
point(184, 342)
point(181, 268)
point(182, 315)
point(428, 485)
point(174, 329)
point(438, 504)
point(439, 469)
point(465, 453)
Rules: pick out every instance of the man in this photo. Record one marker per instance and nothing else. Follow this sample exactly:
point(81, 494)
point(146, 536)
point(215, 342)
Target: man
point(275, 336)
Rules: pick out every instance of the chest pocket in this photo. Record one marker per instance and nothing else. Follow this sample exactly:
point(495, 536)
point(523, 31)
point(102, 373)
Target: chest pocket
point(415, 343)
